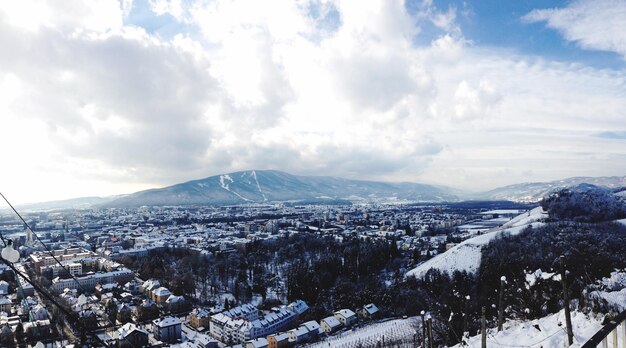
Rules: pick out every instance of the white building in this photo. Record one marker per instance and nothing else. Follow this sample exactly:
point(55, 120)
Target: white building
point(168, 329)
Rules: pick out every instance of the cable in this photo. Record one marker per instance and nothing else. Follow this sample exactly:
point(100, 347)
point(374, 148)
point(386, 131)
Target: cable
point(55, 259)
point(51, 299)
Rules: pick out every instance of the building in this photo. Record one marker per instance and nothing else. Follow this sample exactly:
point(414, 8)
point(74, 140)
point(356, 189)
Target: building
point(244, 324)
point(280, 340)
point(298, 335)
point(149, 285)
point(257, 343)
point(199, 318)
point(160, 295)
point(330, 324)
point(38, 312)
point(346, 317)
point(90, 281)
point(130, 336)
point(168, 329)
point(37, 329)
point(369, 311)
point(43, 258)
point(5, 305)
point(218, 321)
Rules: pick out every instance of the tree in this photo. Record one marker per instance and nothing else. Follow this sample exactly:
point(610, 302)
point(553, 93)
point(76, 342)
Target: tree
point(19, 333)
point(111, 311)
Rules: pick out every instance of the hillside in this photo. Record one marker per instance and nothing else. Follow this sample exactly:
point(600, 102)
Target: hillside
point(533, 192)
point(466, 256)
point(258, 186)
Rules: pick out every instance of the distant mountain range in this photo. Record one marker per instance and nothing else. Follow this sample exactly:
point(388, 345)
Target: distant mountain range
point(258, 186)
point(533, 192)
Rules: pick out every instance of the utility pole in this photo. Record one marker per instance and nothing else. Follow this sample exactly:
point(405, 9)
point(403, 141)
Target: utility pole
point(430, 332)
point(423, 330)
point(483, 329)
point(568, 317)
point(501, 304)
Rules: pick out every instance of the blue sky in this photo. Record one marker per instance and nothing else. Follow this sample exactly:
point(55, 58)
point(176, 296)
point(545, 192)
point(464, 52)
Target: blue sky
point(110, 97)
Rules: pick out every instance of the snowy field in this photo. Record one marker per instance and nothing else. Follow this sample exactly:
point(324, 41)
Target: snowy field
point(545, 332)
point(466, 256)
point(397, 333)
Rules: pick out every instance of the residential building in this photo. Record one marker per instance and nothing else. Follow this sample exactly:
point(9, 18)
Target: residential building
point(346, 317)
point(168, 329)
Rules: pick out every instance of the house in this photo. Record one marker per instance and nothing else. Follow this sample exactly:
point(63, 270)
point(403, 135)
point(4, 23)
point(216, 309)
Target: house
point(4, 287)
point(5, 305)
point(280, 340)
point(257, 343)
point(368, 311)
point(313, 327)
point(133, 286)
point(130, 336)
point(199, 318)
point(298, 307)
point(37, 329)
point(38, 312)
point(150, 285)
point(167, 330)
point(124, 313)
point(330, 324)
point(346, 317)
point(298, 335)
point(160, 295)
point(174, 303)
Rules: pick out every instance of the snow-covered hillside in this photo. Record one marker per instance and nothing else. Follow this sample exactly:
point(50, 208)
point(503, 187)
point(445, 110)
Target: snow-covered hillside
point(545, 332)
point(396, 333)
point(466, 256)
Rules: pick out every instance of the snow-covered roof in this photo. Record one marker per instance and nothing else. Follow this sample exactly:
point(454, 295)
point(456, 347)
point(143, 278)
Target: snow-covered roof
point(167, 321)
point(332, 321)
point(298, 307)
point(370, 308)
point(346, 313)
point(312, 325)
point(175, 299)
point(258, 343)
point(128, 328)
point(161, 292)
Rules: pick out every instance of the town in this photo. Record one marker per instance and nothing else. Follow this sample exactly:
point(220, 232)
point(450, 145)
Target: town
point(206, 276)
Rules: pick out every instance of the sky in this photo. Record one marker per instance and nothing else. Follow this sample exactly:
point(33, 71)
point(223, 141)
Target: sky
point(107, 97)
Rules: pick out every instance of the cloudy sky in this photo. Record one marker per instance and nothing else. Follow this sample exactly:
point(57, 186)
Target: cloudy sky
point(106, 97)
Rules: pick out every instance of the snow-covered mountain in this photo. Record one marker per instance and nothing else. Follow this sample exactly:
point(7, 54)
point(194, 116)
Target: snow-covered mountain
point(257, 186)
point(534, 191)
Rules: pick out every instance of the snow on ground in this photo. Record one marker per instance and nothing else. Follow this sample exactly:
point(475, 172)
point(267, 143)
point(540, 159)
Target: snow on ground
point(397, 332)
point(531, 278)
point(545, 332)
point(466, 256)
point(613, 290)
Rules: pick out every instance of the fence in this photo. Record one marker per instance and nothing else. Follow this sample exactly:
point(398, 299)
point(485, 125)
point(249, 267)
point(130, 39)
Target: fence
point(611, 335)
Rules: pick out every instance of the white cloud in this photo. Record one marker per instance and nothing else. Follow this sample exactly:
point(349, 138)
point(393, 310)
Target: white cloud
point(594, 25)
point(312, 87)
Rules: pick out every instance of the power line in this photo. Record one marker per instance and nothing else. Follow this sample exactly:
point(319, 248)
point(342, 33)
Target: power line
point(55, 259)
point(70, 315)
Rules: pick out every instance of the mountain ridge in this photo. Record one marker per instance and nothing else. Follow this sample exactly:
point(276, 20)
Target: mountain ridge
point(258, 186)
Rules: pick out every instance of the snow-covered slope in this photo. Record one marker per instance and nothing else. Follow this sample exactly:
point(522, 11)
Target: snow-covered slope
point(466, 256)
point(397, 332)
point(534, 191)
point(545, 332)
